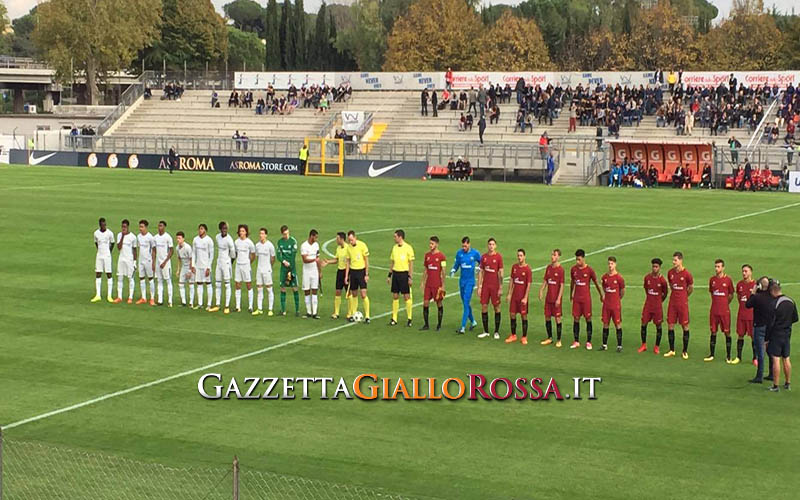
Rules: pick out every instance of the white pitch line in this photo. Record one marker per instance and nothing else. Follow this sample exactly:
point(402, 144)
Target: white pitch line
point(346, 325)
point(50, 186)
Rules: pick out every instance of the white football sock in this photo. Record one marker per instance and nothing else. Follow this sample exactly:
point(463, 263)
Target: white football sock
point(238, 298)
point(260, 299)
point(169, 291)
point(160, 290)
point(119, 287)
point(110, 286)
point(182, 292)
point(250, 298)
point(97, 285)
point(209, 292)
point(200, 295)
point(314, 305)
point(191, 294)
point(270, 297)
point(219, 293)
point(228, 294)
point(152, 289)
point(308, 304)
point(143, 287)
point(131, 287)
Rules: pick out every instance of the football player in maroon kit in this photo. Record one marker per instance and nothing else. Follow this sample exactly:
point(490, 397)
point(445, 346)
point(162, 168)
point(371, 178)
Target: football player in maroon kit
point(613, 291)
point(744, 316)
point(518, 288)
point(554, 283)
point(681, 285)
point(581, 275)
point(720, 286)
point(433, 282)
point(490, 278)
point(655, 289)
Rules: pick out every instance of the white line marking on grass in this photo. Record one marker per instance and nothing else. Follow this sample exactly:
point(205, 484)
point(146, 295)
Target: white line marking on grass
point(50, 186)
point(346, 325)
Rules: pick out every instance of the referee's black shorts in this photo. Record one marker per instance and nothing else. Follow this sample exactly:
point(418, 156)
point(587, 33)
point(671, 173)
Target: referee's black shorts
point(779, 346)
point(357, 281)
point(400, 282)
point(340, 280)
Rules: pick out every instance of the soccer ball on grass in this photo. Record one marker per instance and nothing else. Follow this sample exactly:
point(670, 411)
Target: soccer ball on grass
point(358, 316)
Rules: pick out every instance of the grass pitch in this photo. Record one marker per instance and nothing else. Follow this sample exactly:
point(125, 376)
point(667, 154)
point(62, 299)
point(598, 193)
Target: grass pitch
point(660, 428)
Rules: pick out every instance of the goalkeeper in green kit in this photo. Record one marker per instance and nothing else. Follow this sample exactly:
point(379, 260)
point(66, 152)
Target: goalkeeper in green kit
point(286, 255)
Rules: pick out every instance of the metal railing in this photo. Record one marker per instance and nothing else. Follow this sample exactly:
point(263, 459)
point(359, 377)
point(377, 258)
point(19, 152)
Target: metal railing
point(127, 99)
point(22, 63)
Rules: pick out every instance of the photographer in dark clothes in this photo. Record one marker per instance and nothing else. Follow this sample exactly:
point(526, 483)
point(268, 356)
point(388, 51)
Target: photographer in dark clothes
point(763, 306)
point(779, 336)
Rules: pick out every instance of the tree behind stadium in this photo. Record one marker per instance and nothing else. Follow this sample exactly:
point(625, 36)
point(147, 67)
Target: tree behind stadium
point(94, 37)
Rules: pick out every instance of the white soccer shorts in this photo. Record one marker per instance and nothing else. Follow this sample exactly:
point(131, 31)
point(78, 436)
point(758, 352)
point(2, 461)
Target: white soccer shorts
point(125, 268)
point(243, 274)
point(145, 269)
point(264, 278)
point(200, 275)
point(310, 281)
point(102, 264)
point(164, 273)
point(186, 276)
point(223, 273)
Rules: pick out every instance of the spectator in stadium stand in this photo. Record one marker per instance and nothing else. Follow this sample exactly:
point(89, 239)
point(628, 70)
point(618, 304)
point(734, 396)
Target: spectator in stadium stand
point(148, 93)
point(544, 145)
point(424, 102)
point(779, 336)
point(448, 79)
point(451, 168)
point(473, 100)
point(462, 123)
point(519, 122)
point(469, 120)
point(551, 168)
point(482, 99)
point(784, 183)
point(214, 99)
point(705, 177)
point(237, 139)
point(481, 127)
point(494, 114)
point(245, 141)
point(573, 117)
point(434, 103)
point(735, 146)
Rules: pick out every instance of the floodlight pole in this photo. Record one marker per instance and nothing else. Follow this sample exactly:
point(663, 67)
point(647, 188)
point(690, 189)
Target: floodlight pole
point(235, 478)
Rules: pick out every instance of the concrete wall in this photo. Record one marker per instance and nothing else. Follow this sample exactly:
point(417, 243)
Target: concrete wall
point(28, 124)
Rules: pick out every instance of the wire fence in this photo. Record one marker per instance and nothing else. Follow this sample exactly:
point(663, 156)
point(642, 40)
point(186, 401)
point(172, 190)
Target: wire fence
point(36, 471)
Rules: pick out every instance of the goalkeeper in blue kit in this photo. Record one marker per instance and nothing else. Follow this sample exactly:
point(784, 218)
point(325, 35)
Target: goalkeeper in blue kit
point(467, 259)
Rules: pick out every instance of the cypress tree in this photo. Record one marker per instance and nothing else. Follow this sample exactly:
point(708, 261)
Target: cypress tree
point(272, 36)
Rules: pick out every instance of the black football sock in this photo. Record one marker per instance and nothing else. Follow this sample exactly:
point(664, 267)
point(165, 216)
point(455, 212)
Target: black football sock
point(619, 337)
point(712, 345)
point(644, 334)
point(728, 346)
point(558, 331)
point(739, 347)
point(589, 332)
point(658, 336)
point(686, 341)
point(513, 326)
point(485, 319)
point(548, 325)
point(605, 336)
point(576, 330)
point(524, 327)
point(671, 337)
point(425, 315)
point(441, 314)
point(496, 322)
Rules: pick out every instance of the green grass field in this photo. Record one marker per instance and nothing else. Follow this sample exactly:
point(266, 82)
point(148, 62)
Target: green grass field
point(660, 428)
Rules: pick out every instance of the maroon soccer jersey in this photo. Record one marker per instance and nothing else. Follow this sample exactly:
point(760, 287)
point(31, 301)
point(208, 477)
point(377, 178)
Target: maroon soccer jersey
point(491, 265)
point(655, 288)
point(433, 266)
point(522, 276)
point(582, 279)
point(744, 289)
point(721, 290)
point(679, 282)
point(613, 287)
point(555, 278)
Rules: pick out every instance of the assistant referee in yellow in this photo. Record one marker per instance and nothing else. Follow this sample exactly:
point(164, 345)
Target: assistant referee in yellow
point(401, 270)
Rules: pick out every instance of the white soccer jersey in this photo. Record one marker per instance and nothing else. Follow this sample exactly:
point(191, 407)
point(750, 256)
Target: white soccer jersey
point(104, 240)
point(203, 252)
point(146, 244)
point(265, 253)
point(225, 250)
point(128, 244)
point(185, 256)
point(244, 248)
point(310, 250)
point(163, 244)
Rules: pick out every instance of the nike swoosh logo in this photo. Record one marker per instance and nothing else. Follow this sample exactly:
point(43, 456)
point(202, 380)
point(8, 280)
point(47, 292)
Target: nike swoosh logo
point(36, 161)
point(375, 172)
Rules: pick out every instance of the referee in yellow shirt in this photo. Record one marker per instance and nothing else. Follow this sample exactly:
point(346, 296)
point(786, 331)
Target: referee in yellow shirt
point(401, 269)
point(340, 259)
point(356, 274)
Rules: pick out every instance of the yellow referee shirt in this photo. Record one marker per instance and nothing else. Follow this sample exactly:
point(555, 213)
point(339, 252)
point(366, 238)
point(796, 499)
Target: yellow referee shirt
point(341, 257)
point(357, 253)
point(401, 256)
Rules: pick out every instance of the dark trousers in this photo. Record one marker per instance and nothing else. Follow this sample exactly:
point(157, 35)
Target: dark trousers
point(758, 337)
point(424, 109)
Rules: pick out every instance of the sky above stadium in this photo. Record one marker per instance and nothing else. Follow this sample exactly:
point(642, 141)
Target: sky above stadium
point(17, 8)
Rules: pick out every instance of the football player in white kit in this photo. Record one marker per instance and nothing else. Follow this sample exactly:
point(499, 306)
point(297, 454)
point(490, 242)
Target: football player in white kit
point(184, 274)
point(126, 261)
point(202, 257)
point(164, 251)
point(245, 255)
point(225, 253)
point(147, 248)
point(265, 251)
point(309, 252)
point(104, 242)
